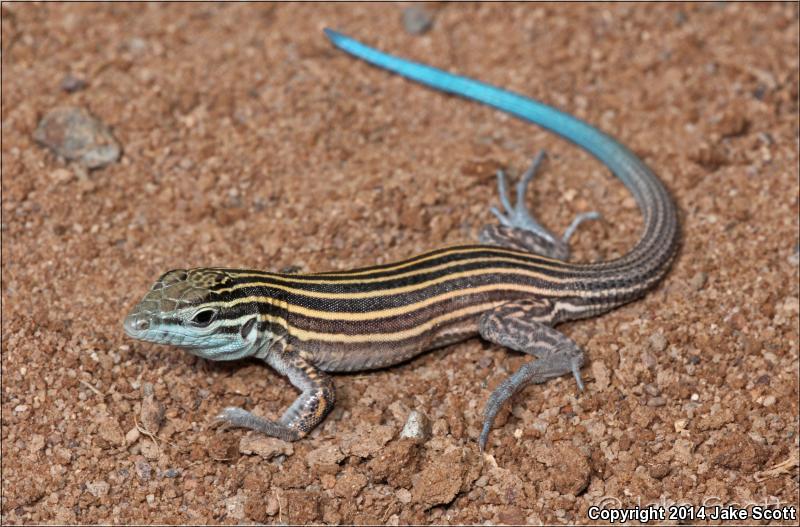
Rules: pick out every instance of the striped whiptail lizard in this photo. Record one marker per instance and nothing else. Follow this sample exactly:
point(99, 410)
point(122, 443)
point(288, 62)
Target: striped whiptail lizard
point(511, 290)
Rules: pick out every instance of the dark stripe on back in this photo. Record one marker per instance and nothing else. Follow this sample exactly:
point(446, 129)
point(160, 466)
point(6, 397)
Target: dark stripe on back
point(388, 301)
point(484, 251)
point(390, 282)
point(393, 324)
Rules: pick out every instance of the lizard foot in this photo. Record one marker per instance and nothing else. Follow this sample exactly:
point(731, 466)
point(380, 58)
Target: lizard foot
point(241, 418)
point(518, 216)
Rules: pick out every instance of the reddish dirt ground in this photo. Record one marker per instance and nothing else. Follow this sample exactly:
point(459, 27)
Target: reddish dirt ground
point(249, 141)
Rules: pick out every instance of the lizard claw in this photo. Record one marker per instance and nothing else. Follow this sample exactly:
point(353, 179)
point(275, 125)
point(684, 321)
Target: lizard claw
point(518, 216)
point(233, 416)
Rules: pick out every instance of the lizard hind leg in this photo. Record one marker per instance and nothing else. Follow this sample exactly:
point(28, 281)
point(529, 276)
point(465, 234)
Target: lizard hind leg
point(524, 326)
point(519, 230)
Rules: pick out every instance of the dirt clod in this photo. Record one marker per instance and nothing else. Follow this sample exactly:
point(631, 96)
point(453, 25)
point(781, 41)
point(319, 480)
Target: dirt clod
point(737, 451)
point(152, 413)
point(266, 447)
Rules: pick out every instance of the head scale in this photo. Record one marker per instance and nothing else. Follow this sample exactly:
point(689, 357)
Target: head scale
point(191, 309)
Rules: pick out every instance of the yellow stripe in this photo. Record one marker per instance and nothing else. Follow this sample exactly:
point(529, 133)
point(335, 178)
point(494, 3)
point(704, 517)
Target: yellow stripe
point(401, 310)
point(380, 337)
point(357, 316)
point(291, 279)
point(274, 320)
point(535, 259)
point(545, 292)
point(404, 289)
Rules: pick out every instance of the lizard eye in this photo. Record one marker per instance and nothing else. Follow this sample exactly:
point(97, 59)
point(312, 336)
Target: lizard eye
point(203, 318)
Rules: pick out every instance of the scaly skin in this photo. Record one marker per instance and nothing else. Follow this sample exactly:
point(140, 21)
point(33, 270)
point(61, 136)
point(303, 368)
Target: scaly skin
point(512, 290)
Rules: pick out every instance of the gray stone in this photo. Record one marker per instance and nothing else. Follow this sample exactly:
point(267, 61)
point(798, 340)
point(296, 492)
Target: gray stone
point(74, 134)
point(417, 20)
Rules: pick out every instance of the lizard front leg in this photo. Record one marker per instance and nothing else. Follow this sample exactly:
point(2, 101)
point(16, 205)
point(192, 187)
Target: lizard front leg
point(308, 410)
point(525, 326)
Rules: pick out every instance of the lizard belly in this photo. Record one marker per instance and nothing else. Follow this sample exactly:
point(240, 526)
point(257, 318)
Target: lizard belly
point(382, 350)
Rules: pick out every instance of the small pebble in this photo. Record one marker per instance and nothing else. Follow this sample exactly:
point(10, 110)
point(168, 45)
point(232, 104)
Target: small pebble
point(149, 449)
point(152, 412)
point(657, 342)
point(171, 473)
point(601, 374)
point(273, 505)
point(98, 489)
point(36, 444)
point(71, 84)
point(649, 360)
point(698, 281)
point(652, 390)
point(659, 470)
point(417, 426)
point(417, 20)
point(137, 45)
point(143, 469)
point(62, 175)
point(404, 496)
point(74, 134)
point(794, 259)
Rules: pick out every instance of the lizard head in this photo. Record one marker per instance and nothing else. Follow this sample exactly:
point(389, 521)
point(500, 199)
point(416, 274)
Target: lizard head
point(192, 309)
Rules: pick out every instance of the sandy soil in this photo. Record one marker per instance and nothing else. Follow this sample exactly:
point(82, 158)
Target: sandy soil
point(247, 140)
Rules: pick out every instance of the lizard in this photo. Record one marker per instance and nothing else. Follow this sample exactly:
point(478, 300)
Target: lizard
point(511, 289)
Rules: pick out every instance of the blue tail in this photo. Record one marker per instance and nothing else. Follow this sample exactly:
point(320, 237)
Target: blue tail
point(614, 155)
